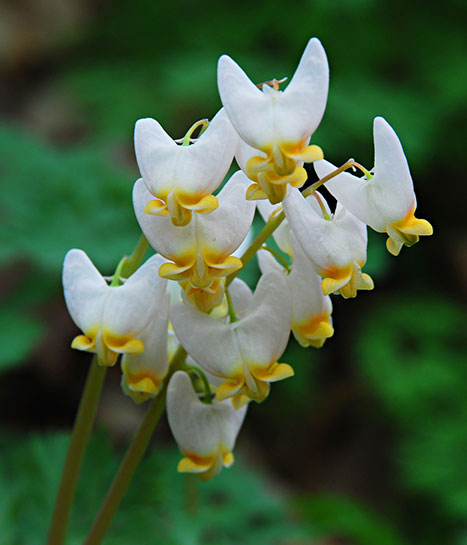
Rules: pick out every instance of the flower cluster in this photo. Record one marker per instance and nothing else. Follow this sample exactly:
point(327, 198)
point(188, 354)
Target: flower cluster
point(187, 295)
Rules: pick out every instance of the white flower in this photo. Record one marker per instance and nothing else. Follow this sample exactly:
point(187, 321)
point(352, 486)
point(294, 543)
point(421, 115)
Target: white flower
point(277, 123)
point(245, 353)
point(336, 246)
point(201, 251)
point(111, 318)
point(386, 202)
point(205, 433)
point(311, 310)
point(143, 373)
point(181, 177)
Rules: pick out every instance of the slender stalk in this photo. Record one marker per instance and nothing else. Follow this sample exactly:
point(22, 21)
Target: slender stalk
point(204, 379)
point(74, 458)
point(348, 164)
point(232, 315)
point(133, 457)
point(133, 261)
point(278, 256)
point(271, 225)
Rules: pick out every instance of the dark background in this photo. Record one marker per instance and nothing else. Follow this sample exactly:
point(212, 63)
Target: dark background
point(367, 444)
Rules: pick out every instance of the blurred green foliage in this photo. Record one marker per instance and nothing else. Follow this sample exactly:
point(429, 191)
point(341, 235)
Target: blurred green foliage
point(343, 518)
point(161, 506)
point(411, 353)
point(405, 61)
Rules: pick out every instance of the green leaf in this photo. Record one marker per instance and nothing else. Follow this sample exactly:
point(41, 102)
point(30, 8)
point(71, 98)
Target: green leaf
point(347, 519)
point(18, 336)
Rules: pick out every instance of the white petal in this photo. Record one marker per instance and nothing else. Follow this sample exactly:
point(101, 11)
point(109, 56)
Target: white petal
point(154, 361)
point(327, 244)
point(166, 238)
point(304, 100)
point(225, 228)
point(197, 169)
point(130, 307)
point(208, 341)
point(263, 334)
point(392, 186)
point(249, 109)
point(353, 192)
point(156, 154)
point(200, 428)
point(305, 286)
point(203, 165)
point(261, 118)
point(241, 296)
point(85, 290)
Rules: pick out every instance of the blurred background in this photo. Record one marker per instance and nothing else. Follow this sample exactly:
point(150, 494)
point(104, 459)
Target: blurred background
point(367, 444)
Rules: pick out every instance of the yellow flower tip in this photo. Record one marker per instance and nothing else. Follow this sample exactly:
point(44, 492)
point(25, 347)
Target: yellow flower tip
point(108, 358)
point(366, 282)
point(182, 219)
point(255, 193)
point(205, 205)
point(146, 385)
point(205, 299)
point(424, 228)
point(411, 225)
point(256, 164)
point(274, 373)
point(228, 389)
point(276, 193)
point(393, 246)
point(239, 401)
point(225, 267)
point(330, 285)
point(194, 464)
point(309, 154)
point(156, 207)
point(82, 342)
point(314, 332)
point(124, 344)
point(172, 271)
point(228, 459)
point(260, 393)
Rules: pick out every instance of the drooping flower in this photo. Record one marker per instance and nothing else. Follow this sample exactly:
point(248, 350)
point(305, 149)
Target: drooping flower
point(311, 310)
point(111, 318)
point(386, 201)
point(143, 373)
point(334, 243)
point(183, 177)
point(200, 252)
point(205, 433)
point(278, 124)
point(243, 353)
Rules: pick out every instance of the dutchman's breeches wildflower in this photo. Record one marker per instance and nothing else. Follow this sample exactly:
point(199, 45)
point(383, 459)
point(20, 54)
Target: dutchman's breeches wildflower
point(277, 124)
point(384, 198)
point(191, 333)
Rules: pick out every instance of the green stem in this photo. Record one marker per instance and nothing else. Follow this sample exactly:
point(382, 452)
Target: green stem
point(133, 261)
point(201, 123)
point(348, 164)
point(278, 256)
point(271, 225)
point(79, 438)
point(230, 305)
point(204, 380)
point(326, 216)
point(133, 457)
